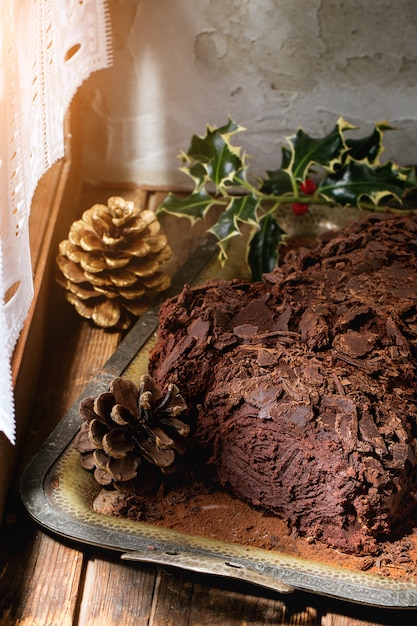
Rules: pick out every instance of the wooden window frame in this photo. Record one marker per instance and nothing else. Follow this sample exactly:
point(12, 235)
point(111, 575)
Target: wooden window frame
point(54, 207)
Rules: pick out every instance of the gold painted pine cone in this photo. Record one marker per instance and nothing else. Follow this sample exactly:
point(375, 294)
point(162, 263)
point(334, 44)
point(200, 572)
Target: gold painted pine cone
point(110, 264)
point(131, 436)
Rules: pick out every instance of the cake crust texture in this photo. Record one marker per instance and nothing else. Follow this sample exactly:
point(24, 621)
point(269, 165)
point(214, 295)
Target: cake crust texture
point(302, 387)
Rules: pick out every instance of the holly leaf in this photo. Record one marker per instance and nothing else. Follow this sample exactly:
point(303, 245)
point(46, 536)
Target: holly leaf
point(195, 207)
point(214, 158)
point(278, 182)
point(286, 157)
point(368, 148)
point(241, 209)
point(325, 151)
point(350, 170)
point(357, 182)
point(195, 170)
point(264, 247)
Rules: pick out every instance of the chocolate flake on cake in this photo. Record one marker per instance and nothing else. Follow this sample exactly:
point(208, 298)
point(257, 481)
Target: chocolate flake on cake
point(302, 387)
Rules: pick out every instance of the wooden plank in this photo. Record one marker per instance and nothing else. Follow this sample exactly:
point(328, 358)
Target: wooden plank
point(117, 594)
point(86, 353)
point(183, 598)
point(172, 599)
point(344, 614)
point(343, 620)
point(43, 589)
point(52, 205)
point(238, 603)
point(74, 357)
point(215, 606)
point(45, 211)
point(43, 581)
point(29, 349)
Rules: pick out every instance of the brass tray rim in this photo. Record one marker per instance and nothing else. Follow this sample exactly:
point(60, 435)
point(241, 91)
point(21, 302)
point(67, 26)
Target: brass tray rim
point(368, 589)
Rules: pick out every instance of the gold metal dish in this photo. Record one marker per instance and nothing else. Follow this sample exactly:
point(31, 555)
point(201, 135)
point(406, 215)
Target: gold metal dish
point(58, 494)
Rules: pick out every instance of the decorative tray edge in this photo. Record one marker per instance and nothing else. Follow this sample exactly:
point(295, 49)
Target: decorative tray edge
point(270, 570)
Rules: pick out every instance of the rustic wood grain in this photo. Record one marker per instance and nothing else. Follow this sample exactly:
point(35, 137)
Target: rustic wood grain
point(116, 594)
point(45, 582)
point(348, 614)
point(343, 620)
point(72, 359)
point(172, 599)
point(44, 588)
point(48, 200)
point(241, 604)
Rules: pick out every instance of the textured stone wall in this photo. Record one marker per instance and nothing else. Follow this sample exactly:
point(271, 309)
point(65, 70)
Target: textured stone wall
point(273, 65)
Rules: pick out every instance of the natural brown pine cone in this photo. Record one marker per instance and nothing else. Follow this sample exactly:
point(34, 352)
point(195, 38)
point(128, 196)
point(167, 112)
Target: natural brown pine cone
point(129, 432)
point(110, 263)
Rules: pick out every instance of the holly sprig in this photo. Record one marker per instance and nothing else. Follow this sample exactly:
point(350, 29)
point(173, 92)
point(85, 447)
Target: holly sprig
point(335, 170)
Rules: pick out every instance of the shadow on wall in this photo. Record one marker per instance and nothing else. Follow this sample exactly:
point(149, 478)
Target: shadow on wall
point(273, 65)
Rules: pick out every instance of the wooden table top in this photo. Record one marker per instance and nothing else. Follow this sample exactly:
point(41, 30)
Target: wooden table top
point(45, 580)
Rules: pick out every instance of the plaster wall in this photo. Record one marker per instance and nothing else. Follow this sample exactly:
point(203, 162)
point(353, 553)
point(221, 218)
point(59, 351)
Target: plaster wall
point(272, 65)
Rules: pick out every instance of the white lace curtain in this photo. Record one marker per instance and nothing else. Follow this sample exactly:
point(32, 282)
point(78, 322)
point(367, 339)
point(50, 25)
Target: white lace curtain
point(47, 49)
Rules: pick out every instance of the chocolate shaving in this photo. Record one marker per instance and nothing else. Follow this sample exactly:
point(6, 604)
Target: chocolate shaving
point(304, 388)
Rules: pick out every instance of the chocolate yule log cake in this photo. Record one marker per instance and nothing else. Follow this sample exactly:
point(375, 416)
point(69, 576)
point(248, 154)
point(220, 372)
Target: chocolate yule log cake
point(301, 388)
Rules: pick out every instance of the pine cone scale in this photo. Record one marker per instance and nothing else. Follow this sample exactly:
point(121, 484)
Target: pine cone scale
point(120, 415)
point(132, 294)
point(162, 440)
point(91, 243)
point(105, 314)
point(142, 269)
point(116, 445)
point(93, 263)
point(116, 261)
point(101, 459)
point(102, 406)
point(113, 252)
point(136, 308)
point(180, 427)
point(124, 278)
point(163, 458)
point(102, 477)
point(80, 293)
point(70, 270)
point(125, 394)
point(122, 469)
point(97, 431)
point(130, 430)
point(98, 280)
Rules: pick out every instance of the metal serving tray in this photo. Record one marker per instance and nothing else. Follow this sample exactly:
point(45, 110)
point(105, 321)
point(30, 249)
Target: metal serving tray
point(58, 494)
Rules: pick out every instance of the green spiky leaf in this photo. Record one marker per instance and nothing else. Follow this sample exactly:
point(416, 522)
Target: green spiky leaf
point(264, 247)
point(214, 158)
point(358, 182)
point(349, 168)
point(324, 151)
point(277, 182)
point(368, 148)
point(241, 210)
point(195, 206)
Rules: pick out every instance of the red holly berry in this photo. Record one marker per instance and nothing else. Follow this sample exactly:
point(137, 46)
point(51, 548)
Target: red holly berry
point(308, 186)
point(299, 208)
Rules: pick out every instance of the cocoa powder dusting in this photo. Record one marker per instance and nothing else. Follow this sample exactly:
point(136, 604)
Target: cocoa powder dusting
point(302, 393)
point(206, 512)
